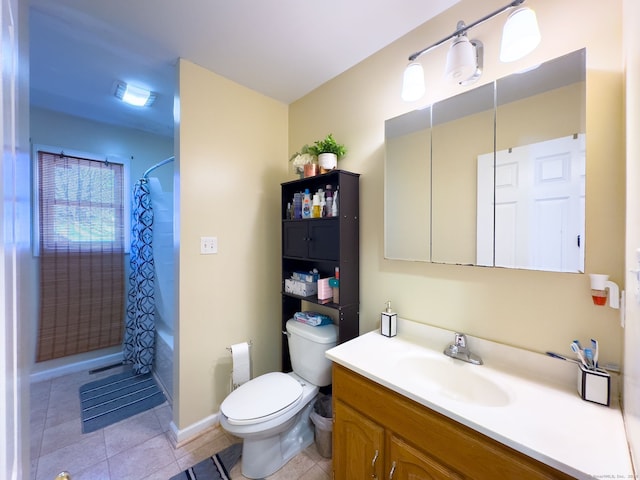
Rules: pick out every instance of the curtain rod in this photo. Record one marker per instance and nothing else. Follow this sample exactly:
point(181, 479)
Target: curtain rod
point(159, 164)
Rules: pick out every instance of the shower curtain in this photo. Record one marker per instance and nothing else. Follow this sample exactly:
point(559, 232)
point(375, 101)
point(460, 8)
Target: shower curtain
point(140, 332)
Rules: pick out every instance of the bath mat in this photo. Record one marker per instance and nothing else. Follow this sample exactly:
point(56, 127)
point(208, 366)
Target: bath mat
point(216, 467)
point(117, 397)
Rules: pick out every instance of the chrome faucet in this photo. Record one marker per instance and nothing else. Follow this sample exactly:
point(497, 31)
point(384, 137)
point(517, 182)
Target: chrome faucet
point(459, 350)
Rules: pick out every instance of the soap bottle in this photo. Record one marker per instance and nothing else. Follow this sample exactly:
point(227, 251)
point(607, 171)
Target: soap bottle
point(306, 204)
point(388, 322)
point(315, 210)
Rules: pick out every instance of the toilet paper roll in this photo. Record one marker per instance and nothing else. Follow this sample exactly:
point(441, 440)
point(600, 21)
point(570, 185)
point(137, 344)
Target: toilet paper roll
point(241, 364)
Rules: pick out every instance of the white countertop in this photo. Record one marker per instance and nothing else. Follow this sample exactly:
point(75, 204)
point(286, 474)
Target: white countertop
point(537, 412)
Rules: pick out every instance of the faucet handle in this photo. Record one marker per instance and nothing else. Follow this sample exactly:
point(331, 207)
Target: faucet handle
point(460, 340)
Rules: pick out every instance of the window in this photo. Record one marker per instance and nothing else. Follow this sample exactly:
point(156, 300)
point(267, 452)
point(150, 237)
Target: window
point(81, 246)
point(81, 203)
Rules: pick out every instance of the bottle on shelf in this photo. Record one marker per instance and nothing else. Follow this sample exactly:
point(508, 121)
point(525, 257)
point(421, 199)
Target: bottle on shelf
point(334, 205)
point(315, 209)
point(297, 205)
point(328, 201)
point(306, 204)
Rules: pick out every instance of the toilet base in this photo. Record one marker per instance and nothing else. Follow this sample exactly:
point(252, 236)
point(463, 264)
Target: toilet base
point(265, 456)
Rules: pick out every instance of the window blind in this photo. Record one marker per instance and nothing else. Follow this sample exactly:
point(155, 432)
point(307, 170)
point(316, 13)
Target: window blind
point(81, 239)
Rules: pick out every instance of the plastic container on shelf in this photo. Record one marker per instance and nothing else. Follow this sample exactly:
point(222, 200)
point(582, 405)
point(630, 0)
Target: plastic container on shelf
point(315, 208)
point(306, 204)
point(297, 205)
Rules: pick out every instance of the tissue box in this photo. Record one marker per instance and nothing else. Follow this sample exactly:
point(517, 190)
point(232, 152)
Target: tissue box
point(297, 287)
point(325, 292)
point(594, 385)
point(305, 276)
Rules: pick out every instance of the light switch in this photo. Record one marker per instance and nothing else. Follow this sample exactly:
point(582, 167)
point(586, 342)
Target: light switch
point(208, 245)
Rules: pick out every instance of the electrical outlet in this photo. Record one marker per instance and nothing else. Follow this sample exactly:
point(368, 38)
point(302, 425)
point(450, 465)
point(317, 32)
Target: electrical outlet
point(208, 245)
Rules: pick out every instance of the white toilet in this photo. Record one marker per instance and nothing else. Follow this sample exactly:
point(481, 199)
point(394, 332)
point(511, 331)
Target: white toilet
point(271, 412)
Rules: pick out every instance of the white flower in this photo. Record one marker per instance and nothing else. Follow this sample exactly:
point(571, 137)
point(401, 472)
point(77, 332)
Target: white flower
point(302, 159)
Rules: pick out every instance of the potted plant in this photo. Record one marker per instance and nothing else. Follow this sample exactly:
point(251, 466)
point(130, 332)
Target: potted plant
point(304, 162)
point(328, 152)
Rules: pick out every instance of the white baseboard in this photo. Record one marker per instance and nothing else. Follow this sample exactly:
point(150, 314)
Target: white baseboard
point(179, 437)
point(78, 366)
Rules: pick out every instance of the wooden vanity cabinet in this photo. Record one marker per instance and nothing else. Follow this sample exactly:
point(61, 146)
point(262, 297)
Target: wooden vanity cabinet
point(381, 434)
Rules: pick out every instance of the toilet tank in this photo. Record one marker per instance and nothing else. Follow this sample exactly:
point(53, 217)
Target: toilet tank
point(307, 345)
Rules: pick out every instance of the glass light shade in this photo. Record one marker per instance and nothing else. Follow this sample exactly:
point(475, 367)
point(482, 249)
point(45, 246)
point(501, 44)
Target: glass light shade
point(132, 95)
point(461, 60)
point(413, 82)
point(135, 95)
point(520, 35)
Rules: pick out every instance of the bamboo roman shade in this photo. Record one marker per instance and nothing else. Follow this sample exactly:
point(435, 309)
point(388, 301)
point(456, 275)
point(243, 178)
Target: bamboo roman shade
point(81, 243)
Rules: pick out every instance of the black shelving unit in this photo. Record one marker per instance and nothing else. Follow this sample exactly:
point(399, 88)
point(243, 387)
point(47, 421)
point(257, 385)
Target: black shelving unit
point(323, 244)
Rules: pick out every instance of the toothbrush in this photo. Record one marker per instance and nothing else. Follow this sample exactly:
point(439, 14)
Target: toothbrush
point(577, 351)
point(588, 353)
point(595, 346)
point(562, 357)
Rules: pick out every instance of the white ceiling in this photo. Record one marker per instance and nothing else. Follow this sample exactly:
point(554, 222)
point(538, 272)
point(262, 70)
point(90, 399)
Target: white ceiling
point(281, 48)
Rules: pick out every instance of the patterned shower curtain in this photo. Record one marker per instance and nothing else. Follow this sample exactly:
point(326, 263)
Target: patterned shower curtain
point(140, 331)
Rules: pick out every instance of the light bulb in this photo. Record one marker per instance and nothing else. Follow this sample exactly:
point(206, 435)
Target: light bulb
point(413, 82)
point(520, 35)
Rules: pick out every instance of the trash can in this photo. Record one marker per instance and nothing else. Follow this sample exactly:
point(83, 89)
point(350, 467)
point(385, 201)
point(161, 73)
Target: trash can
point(322, 418)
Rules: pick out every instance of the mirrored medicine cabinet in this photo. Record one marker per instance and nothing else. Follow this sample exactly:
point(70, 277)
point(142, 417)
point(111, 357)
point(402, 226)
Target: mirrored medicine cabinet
point(494, 176)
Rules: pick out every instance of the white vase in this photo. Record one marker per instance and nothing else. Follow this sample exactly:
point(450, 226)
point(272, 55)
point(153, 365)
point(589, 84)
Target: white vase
point(328, 161)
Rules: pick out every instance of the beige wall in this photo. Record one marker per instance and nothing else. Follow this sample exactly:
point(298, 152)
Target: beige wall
point(232, 156)
point(534, 310)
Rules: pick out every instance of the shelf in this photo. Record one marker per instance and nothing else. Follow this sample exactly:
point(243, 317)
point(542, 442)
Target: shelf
point(323, 243)
point(314, 299)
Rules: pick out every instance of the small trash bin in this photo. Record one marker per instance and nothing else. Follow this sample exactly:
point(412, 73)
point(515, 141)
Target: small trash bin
point(322, 418)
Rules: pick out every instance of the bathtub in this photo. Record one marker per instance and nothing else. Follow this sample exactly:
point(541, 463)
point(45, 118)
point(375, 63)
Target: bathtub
point(163, 365)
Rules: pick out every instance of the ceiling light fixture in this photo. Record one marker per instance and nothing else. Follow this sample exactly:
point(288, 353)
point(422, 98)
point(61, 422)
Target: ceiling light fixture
point(520, 37)
point(136, 96)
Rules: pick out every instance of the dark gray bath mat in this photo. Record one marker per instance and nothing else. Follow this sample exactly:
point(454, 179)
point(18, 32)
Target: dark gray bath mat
point(115, 398)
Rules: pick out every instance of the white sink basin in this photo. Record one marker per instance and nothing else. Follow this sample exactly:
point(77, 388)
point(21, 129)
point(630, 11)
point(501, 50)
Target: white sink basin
point(452, 378)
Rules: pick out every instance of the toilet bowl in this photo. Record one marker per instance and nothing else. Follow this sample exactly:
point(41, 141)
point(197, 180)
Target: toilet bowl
point(271, 412)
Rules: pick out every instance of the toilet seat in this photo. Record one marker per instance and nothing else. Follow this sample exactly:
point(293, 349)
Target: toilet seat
point(265, 397)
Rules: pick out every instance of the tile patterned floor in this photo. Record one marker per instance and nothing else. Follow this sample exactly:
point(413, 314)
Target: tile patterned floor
point(134, 449)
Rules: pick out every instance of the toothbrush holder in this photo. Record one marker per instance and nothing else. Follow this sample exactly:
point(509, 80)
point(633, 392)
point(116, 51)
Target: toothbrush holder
point(594, 385)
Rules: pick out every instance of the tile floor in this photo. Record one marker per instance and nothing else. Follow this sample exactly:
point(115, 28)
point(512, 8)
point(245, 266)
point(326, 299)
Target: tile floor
point(134, 449)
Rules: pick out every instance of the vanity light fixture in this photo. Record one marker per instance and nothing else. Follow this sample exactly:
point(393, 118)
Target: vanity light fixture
point(520, 36)
point(133, 95)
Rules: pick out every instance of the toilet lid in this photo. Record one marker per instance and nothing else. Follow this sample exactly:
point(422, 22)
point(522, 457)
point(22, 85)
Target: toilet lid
point(262, 398)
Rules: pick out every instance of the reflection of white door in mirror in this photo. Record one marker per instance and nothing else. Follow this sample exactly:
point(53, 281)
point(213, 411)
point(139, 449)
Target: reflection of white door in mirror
point(539, 206)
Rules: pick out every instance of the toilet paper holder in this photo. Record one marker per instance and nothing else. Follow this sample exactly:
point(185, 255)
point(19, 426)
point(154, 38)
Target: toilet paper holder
point(250, 343)
point(241, 363)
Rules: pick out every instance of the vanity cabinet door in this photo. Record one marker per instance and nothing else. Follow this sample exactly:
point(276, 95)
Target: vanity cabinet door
point(357, 445)
point(406, 462)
